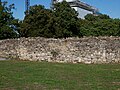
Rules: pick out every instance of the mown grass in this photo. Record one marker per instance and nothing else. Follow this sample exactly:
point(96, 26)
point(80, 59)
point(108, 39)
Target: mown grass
point(25, 75)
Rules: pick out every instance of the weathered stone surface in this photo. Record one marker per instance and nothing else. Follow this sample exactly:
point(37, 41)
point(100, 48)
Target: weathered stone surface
point(72, 50)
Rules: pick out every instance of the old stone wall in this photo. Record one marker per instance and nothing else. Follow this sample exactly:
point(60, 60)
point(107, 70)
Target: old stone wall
point(73, 50)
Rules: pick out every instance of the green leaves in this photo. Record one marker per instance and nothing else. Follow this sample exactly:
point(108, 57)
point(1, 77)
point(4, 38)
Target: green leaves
point(62, 22)
point(59, 23)
point(8, 25)
point(101, 25)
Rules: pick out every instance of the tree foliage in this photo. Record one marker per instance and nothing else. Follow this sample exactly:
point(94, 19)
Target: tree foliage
point(66, 20)
point(61, 22)
point(8, 25)
point(57, 23)
point(101, 25)
point(35, 24)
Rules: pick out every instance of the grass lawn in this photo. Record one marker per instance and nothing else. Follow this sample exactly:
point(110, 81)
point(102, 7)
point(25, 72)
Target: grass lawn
point(25, 75)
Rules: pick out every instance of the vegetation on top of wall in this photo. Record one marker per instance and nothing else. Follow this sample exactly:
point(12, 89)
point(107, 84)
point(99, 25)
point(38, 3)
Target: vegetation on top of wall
point(8, 24)
point(101, 25)
point(61, 22)
point(58, 23)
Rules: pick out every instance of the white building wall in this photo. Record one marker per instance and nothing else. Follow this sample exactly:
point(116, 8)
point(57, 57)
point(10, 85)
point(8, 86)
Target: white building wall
point(82, 12)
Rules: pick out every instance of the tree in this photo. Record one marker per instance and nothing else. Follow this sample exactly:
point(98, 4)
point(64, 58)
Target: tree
point(92, 17)
point(101, 25)
point(58, 23)
point(34, 24)
point(66, 20)
point(62, 22)
point(8, 25)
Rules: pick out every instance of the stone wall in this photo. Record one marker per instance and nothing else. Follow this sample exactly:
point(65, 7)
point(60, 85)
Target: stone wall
point(72, 50)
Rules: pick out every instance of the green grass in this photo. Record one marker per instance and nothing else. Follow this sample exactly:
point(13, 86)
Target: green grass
point(25, 75)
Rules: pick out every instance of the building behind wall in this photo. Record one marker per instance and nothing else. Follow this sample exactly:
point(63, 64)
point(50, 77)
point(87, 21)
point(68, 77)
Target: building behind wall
point(82, 8)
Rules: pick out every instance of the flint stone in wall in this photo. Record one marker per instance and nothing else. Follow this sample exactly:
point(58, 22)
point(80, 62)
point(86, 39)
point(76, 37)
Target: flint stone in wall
point(73, 50)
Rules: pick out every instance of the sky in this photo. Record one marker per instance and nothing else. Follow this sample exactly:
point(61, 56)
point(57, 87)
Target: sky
point(109, 7)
